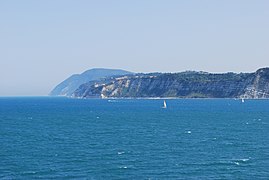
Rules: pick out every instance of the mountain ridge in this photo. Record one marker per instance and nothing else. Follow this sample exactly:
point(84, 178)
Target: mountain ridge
point(69, 85)
point(180, 85)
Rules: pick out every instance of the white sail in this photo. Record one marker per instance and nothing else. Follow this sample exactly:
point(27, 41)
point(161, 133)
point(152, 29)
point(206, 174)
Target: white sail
point(164, 104)
point(242, 100)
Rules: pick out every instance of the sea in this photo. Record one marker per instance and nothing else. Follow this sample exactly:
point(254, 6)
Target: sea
point(63, 138)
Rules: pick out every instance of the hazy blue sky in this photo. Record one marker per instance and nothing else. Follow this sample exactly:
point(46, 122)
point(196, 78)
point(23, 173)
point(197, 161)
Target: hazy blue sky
point(43, 42)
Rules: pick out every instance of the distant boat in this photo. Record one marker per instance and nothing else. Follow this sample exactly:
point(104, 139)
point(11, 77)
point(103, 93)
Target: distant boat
point(164, 104)
point(242, 100)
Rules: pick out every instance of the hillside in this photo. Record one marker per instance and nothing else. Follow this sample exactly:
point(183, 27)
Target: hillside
point(180, 85)
point(68, 86)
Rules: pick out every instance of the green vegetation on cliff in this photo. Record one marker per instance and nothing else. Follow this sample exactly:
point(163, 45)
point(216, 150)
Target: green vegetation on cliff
point(182, 85)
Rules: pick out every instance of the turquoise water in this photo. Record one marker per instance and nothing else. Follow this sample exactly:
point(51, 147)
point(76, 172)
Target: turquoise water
point(133, 139)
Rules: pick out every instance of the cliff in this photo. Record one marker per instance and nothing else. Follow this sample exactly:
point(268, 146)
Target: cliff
point(181, 85)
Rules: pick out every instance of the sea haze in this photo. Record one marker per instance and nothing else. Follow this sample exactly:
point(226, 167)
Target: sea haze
point(55, 138)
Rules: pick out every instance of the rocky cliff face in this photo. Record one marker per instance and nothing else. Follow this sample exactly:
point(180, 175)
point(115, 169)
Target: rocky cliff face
point(259, 87)
point(182, 85)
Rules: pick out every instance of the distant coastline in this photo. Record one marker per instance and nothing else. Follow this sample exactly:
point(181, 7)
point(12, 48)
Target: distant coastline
point(159, 98)
point(120, 84)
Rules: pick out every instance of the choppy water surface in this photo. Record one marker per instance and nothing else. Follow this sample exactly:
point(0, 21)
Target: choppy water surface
point(133, 139)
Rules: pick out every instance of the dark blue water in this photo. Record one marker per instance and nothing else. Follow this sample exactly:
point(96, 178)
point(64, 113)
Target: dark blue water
point(52, 138)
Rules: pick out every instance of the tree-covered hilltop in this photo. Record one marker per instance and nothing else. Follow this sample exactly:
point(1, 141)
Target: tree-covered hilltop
point(181, 85)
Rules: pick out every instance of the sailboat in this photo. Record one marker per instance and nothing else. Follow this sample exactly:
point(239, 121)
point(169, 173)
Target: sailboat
point(164, 104)
point(242, 100)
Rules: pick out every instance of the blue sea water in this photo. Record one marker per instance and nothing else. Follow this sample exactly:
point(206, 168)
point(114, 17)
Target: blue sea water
point(61, 138)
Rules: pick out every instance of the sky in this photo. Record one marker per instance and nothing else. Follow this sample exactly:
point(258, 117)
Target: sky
point(44, 42)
